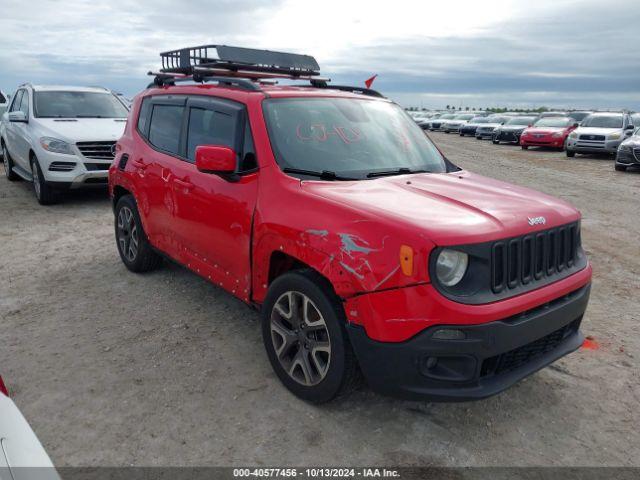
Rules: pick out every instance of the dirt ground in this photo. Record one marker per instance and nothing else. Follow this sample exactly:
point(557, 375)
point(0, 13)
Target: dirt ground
point(113, 368)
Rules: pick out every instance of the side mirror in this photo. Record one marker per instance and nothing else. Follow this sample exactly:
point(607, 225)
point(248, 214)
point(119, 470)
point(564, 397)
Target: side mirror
point(215, 159)
point(629, 127)
point(576, 125)
point(17, 116)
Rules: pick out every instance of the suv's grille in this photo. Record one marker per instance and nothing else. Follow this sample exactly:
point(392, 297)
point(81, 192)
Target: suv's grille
point(97, 150)
point(599, 138)
point(636, 153)
point(522, 355)
point(531, 258)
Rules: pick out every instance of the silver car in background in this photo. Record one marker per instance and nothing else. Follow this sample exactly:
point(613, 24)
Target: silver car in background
point(600, 132)
point(628, 154)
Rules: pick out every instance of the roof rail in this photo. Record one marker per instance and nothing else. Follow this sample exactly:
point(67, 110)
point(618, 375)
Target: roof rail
point(346, 88)
point(162, 79)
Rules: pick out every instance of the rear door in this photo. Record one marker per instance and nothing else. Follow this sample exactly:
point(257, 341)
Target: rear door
point(22, 139)
point(213, 215)
point(160, 124)
point(10, 130)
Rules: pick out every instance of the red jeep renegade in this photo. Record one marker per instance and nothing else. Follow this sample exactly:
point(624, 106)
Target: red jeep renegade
point(328, 208)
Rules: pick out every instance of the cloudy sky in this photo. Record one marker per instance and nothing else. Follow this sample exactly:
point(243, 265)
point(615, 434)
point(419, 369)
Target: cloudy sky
point(558, 53)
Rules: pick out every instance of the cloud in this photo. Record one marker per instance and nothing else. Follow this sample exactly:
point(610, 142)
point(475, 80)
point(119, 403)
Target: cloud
point(507, 52)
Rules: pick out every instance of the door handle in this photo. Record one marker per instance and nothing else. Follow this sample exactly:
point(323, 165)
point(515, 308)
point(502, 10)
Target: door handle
point(183, 184)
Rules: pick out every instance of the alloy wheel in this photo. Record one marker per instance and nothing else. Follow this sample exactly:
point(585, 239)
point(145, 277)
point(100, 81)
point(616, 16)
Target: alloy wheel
point(300, 338)
point(127, 234)
point(36, 179)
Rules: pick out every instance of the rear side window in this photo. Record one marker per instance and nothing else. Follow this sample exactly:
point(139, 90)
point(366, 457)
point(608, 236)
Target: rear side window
point(209, 127)
point(165, 126)
point(143, 118)
point(3, 99)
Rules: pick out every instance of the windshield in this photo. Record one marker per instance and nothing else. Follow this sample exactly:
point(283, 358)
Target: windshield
point(69, 104)
point(521, 120)
point(555, 122)
point(447, 116)
point(348, 137)
point(635, 119)
point(464, 117)
point(579, 116)
point(603, 121)
point(479, 120)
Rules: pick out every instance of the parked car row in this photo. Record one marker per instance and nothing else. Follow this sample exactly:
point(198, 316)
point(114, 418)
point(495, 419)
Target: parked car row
point(574, 132)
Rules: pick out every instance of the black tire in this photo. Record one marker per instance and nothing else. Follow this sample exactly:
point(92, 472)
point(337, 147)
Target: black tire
point(620, 168)
point(495, 142)
point(570, 153)
point(461, 134)
point(446, 131)
point(342, 373)
point(8, 165)
point(525, 147)
point(478, 138)
point(44, 193)
point(131, 240)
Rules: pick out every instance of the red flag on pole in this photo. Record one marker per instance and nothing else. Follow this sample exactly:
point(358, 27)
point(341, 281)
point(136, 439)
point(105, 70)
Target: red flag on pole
point(369, 81)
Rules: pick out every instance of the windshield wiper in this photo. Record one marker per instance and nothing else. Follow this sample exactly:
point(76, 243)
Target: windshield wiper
point(398, 171)
point(90, 116)
point(323, 175)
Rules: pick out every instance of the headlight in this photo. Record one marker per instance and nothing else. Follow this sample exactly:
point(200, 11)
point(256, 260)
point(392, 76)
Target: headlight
point(573, 135)
point(557, 134)
point(624, 147)
point(56, 146)
point(451, 266)
point(614, 136)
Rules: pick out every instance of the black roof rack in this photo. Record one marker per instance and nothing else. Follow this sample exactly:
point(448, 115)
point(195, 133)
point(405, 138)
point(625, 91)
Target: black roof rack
point(236, 58)
point(241, 67)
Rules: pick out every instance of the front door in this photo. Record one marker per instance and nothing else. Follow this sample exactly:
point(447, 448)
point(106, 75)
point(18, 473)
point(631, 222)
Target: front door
point(213, 215)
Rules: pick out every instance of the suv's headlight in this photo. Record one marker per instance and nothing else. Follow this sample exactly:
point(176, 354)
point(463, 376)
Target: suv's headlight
point(573, 135)
point(614, 136)
point(56, 146)
point(451, 266)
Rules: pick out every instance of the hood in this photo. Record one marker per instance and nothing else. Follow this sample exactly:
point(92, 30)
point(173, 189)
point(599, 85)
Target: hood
point(512, 128)
point(450, 209)
point(544, 130)
point(84, 129)
point(633, 141)
point(489, 125)
point(596, 130)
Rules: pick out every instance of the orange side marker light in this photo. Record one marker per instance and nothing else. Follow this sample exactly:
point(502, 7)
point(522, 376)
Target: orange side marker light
point(406, 260)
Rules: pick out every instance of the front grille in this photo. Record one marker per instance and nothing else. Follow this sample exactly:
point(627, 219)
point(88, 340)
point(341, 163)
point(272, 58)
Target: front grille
point(61, 166)
point(508, 136)
point(520, 356)
point(598, 138)
point(636, 153)
point(97, 150)
point(533, 258)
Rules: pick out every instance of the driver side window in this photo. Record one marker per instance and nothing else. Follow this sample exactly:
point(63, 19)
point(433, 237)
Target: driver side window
point(17, 98)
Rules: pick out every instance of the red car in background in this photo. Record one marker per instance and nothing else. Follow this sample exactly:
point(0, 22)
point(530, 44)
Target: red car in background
point(548, 132)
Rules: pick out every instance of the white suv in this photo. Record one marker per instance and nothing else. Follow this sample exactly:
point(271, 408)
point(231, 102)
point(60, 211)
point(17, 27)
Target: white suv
point(600, 132)
point(61, 137)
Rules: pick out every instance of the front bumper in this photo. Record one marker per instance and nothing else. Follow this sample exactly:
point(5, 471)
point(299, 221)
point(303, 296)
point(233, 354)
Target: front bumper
point(492, 357)
point(593, 146)
point(508, 136)
point(546, 141)
point(628, 158)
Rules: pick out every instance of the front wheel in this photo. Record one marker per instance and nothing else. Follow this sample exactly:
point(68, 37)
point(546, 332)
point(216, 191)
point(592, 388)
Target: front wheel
point(8, 165)
point(44, 193)
point(570, 153)
point(304, 335)
point(495, 142)
point(620, 168)
point(525, 147)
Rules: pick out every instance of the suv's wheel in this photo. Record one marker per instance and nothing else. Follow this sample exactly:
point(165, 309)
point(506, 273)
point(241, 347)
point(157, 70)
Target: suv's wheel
point(44, 193)
point(525, 147)
point(495, 142)
point(133, 246)
point(8, 165)
point(304, 335)
point(570, 153)
point(620, 168)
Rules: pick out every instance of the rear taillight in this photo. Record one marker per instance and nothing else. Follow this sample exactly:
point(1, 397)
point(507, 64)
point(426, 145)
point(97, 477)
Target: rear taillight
point(3, 388)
